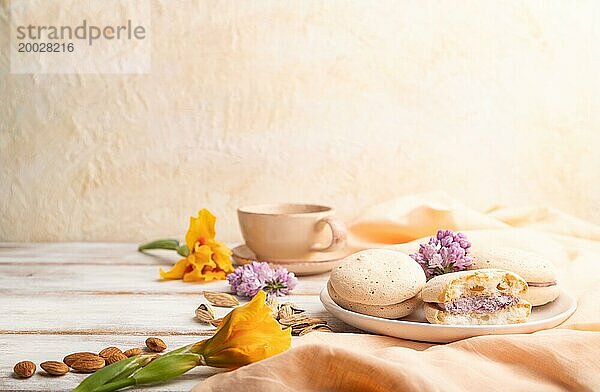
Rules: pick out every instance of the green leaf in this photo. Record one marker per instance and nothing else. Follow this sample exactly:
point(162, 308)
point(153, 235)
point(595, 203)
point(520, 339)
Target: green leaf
point(166, 368)
point(160, 244)
point(183, 250)
point(118, 370)
point(129, 380)
point(116, 385)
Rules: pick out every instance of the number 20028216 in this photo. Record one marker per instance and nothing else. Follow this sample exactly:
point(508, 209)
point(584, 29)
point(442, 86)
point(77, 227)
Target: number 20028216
point(45, 47)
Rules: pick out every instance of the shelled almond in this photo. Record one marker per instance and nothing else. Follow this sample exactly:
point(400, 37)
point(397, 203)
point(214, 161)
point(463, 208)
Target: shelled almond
point(55, 368)
point(89, 365)
point(116, 357)
point(156, 345)
point(84, 355)
point(24, 369)
point(132, 352)
point(86, 361)
point(109, 351)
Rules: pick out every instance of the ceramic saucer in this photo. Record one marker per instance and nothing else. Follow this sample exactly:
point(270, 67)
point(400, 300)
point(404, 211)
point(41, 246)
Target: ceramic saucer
point(318, 264)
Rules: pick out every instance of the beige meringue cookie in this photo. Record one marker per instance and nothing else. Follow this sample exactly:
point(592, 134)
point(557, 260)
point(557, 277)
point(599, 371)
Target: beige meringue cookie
point(539, 272)
point(392, 311)
point(378, 282)
point(479, 297)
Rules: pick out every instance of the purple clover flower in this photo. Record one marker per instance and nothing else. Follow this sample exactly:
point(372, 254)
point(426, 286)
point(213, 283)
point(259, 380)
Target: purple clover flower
point(249, 279)
point(446, 252)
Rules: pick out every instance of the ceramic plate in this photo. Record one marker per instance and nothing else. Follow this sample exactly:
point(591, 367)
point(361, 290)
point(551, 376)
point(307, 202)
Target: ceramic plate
point(326, 262)
point(415, 327)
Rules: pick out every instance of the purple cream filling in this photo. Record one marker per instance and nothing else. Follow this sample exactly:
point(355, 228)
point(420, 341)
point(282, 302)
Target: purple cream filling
point(479, 304)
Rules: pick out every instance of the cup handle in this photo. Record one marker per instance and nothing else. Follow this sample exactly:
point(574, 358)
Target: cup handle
point(338, 235)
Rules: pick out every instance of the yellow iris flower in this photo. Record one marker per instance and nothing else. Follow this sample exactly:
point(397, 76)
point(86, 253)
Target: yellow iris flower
point(248, 334)
point(208, 260)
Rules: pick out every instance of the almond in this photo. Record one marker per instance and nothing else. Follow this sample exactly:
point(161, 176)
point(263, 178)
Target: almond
point(54, 368)
point(116, 357)
point(109, 352)
point(222, 300)
point(311, 328)
point(132, 351)
point(297, 319)
point(273, 304)
point(288, 309)
point(205, 313)
point(284, 312)
point(69, 359)
point(216, 322)
point(24, 369)
point(88, 365)
point(155, 344)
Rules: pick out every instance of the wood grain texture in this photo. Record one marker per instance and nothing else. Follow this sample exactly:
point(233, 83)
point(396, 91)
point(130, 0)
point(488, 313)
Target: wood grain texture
point(122, 314)
point(114, 253)
point(42, 348)
point(71, 279)
point(66, 297)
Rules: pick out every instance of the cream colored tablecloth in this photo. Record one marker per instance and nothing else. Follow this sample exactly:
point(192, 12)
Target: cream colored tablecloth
point(565, 358)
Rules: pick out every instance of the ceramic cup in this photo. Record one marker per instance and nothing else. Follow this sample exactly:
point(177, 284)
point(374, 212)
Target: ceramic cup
point(290, 231)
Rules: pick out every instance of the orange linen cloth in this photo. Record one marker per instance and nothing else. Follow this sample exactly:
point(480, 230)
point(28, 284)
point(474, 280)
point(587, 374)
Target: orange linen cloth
point(566, 358)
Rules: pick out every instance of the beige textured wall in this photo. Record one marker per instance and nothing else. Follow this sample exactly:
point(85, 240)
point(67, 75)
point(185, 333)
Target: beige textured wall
point(341, 102)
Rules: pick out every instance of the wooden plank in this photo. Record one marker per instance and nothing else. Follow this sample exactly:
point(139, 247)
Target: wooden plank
point(117, 253)
point(123, 314)
point(33, 279)
point(59, 298)
point(40, 348)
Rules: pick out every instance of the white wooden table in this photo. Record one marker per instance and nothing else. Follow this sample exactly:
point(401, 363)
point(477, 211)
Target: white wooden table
point(59, 298)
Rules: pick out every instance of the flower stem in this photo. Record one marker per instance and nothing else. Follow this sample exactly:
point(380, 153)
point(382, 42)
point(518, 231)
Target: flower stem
point(169, 244)
point(116, 385)
point(273, 286)
point(112, 373)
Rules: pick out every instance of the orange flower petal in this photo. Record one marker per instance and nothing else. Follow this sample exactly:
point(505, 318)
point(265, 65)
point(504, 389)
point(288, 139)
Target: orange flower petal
point(201, 227)
point(195, 275)
point(204, 275)
point(203, 253)
point(221, 255)
point(177, 271)
point(218, 246)
point(248, 334)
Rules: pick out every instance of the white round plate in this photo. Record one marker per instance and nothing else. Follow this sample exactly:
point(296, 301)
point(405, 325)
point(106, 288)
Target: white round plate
point(415, 327)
